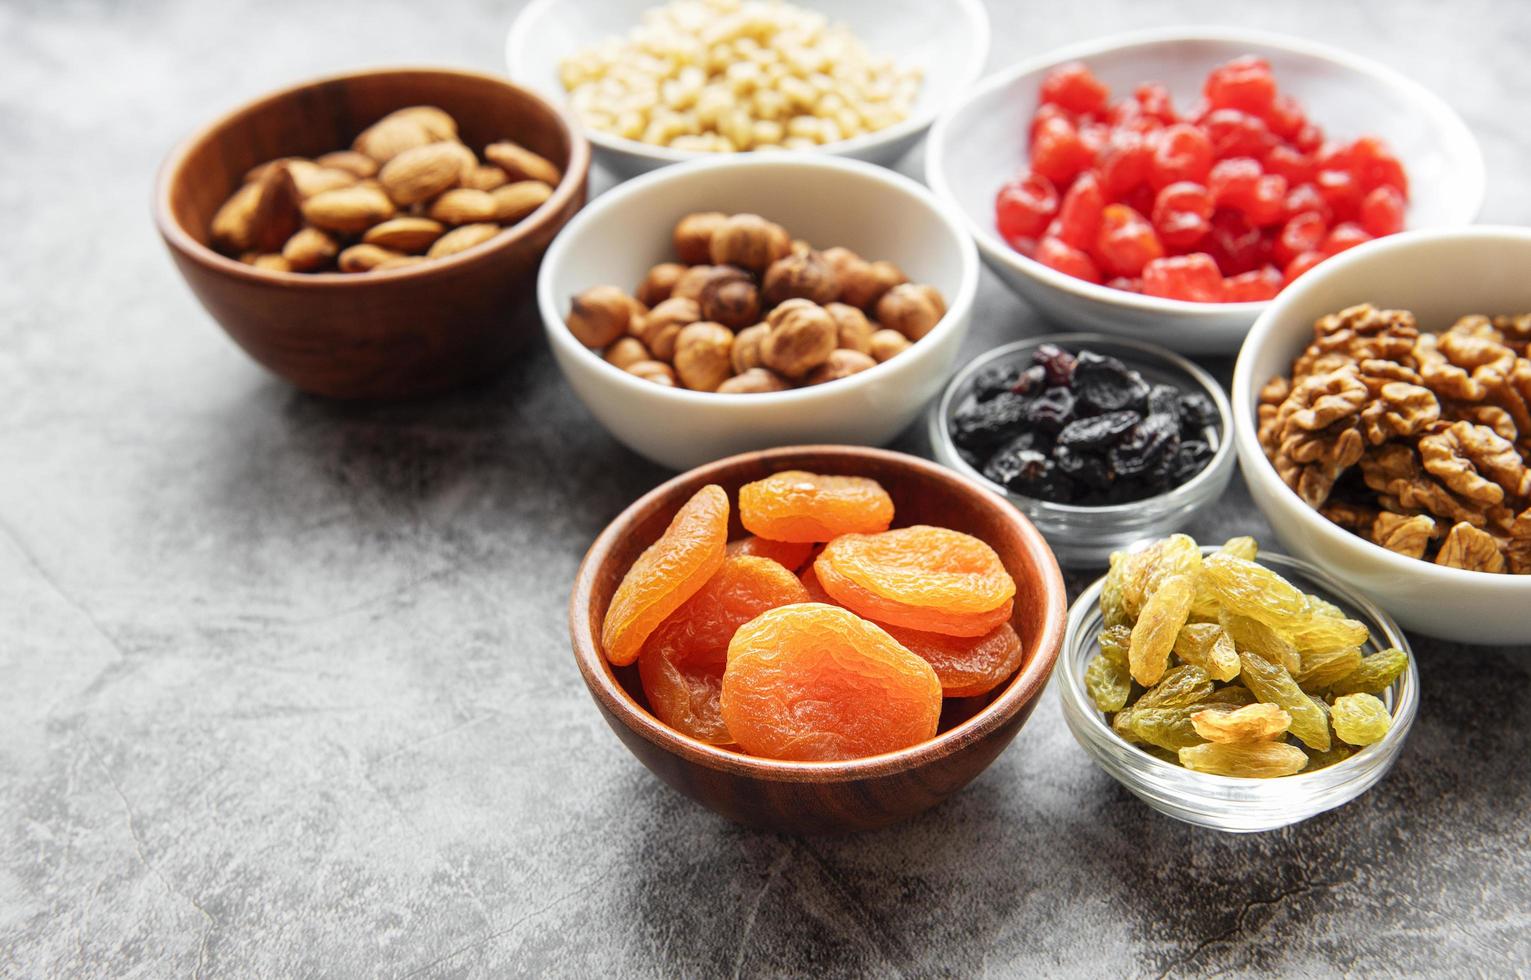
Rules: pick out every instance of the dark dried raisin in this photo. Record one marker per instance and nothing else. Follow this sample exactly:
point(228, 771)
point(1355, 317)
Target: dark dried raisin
point(1057, 363)
point(1149, 447)
point(1030, 381)
point(992, 381)
point(1099, 431)
point(1197, 411)
point(1164, 400)
point(1051, 410)
point(988, 423)
point(1105, 384)
point(1085, 467)
point(1190, 460)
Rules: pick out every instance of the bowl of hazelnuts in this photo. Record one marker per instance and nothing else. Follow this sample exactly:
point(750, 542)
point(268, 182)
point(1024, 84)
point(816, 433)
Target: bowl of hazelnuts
point(726, 305)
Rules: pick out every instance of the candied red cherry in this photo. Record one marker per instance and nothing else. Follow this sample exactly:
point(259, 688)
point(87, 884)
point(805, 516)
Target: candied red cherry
point(1191, 277)
point(1058, 153)
point(1024, 206)
point(1124, 162)
point(1182, 152)
point(1304, 198)
point(1340, 191)
point(1156, 102)
point(1286, 118)
point(1126, 284)
point(1382, 211)
point(1244, 83)
point(1342, 237)
point(1369, 161)
point(1079, 216)
point(1126, 241)
point(1302, 233)
point(1237, 245)
point(1236, 134)
point(1254, 286)
point(1045, 112)
point(1182, 214)
point(1238, 183)
point(1074, 87)
point(1309, 139)
point(1299, 265)
point(1057, 254)
point(1294, 165)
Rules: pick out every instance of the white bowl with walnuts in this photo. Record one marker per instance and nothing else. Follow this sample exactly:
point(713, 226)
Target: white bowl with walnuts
point(1381, 419)
point(656, 82)
point(740, 303)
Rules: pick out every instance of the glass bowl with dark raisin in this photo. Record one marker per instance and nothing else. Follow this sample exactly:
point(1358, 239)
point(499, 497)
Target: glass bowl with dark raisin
point(1101, 441)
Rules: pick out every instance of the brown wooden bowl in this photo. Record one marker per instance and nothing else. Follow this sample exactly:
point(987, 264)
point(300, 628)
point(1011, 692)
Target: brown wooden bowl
point(828, 797)
point(390, 334)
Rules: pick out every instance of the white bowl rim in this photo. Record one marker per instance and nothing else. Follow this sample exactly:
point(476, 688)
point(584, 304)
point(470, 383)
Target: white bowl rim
point(973, 12)
point(994, 249)
point(1243, 390)
point(958, 306)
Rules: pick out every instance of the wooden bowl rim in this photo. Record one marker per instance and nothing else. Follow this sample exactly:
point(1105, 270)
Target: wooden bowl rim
point(1026, 686)
point(171, 175)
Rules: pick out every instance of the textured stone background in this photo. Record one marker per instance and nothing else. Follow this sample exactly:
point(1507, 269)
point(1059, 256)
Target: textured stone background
point(285, 688)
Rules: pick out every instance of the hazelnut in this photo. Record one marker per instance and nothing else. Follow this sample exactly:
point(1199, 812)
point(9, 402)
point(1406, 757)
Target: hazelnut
point(655, 287)
point(854, 331)
point(747, 342)
point(655, 371)
point(799, 246)
point(807, 276)
point(626, 352)
point(841, 259)
point(912, 310)
point(863, 285)
point(887, 343)
point(693, 236)
point(753, 382)
point(702, 352)
point(749, 241)
point(841, 364)
point(800, 340)
point(731, 300)
point(659, 329)
point(599, 315)
point(690, 283)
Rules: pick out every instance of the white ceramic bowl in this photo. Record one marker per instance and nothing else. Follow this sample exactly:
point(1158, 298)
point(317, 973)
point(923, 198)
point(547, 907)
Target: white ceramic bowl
point(979, 144)
point(948, 41)
point(828, 201)
point(1440, 275)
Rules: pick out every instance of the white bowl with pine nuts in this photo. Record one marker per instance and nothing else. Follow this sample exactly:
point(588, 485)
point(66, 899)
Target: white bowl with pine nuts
point(945, 43)
point(828, 202)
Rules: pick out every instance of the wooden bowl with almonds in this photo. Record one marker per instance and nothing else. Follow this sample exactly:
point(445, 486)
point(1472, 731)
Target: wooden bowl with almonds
point(375, 235)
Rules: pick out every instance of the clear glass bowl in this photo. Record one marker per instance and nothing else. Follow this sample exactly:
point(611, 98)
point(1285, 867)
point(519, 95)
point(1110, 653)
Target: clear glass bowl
point(1228, 803)
point(1086, 536)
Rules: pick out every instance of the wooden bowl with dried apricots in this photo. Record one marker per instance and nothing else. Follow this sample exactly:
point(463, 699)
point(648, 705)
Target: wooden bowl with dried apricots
point(822, 791)
point(379, 312)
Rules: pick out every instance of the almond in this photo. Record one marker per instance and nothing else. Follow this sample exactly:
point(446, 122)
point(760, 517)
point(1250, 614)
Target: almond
point(402, 262)
point(422, 172)
point(259, 170)
point(364, 258)
point(438, 122)
point(271, 263)
point(519, 163)
point(313, 179)
point(462, 239)
point(515, 201)
point(349, 210)
point(463, 206)
point(275, 216)
point(358, 164)
point(231, 225)
point(485, 177)
point(390, 136)
point(405, 234)
point(308, 250)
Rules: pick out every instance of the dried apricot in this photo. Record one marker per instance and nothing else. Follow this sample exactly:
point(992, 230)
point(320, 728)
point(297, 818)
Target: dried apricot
point(790, 554)
point(816, 593)
point(682, 662)
point(921, 577)
point(812, 682)
point(803, 507)
point(965, 666)
point(670, 571)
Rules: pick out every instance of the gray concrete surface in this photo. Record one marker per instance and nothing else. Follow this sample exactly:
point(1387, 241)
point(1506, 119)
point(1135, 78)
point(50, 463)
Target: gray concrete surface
point(285, 688)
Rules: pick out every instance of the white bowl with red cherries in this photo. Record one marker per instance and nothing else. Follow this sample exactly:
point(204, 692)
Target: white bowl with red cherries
point(1168, 184)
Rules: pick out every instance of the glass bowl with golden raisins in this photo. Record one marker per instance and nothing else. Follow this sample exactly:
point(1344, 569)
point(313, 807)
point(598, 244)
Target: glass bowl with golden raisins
point(1233, 688)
